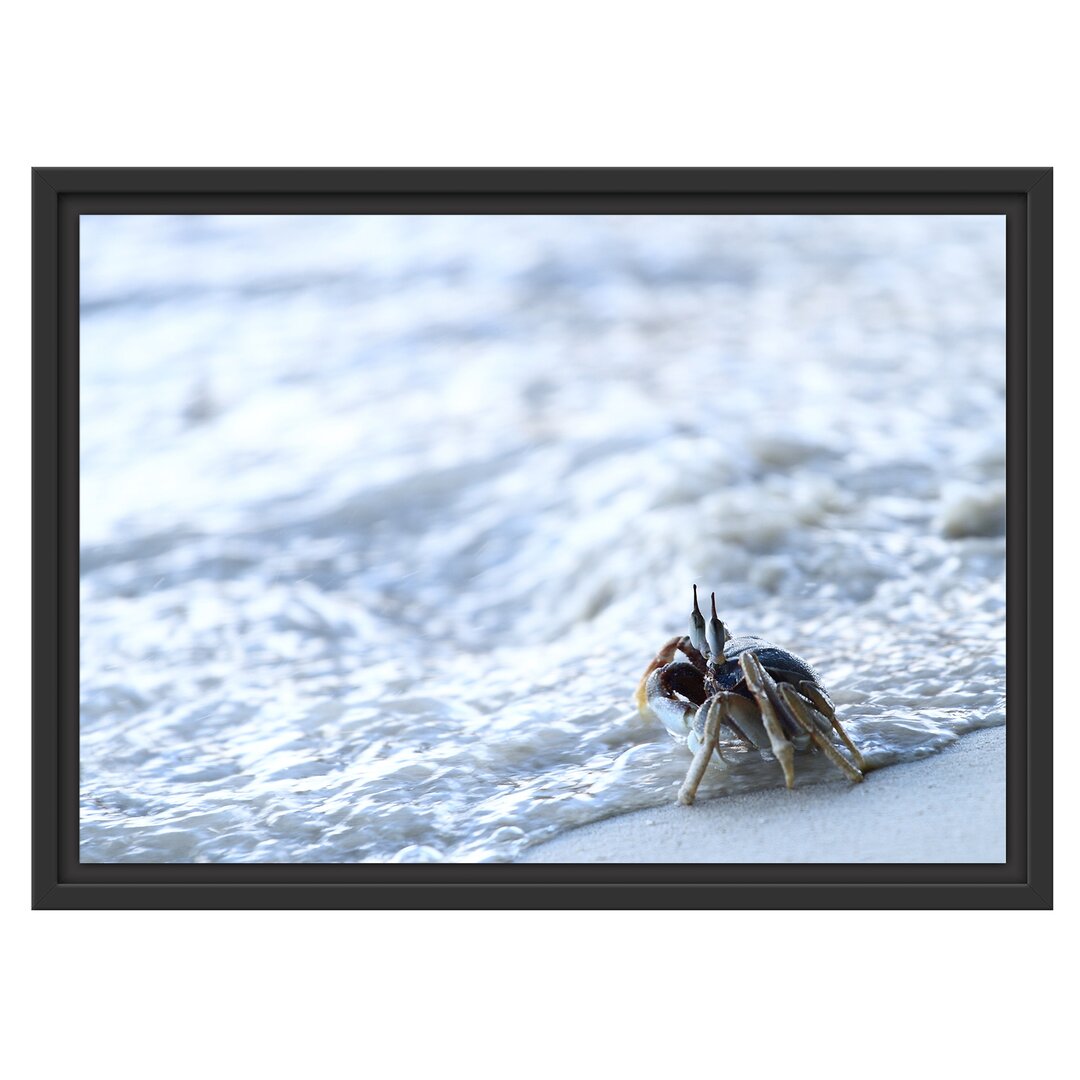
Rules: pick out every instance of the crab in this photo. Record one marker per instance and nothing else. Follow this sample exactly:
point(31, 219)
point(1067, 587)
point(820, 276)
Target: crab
point(768, 698)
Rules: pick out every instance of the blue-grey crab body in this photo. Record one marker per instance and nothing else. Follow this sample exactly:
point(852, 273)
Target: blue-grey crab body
point(762, 694)
point(782, 665)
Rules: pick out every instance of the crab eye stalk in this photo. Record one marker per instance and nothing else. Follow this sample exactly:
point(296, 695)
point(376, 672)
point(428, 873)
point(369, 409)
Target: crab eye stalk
point(697, 626)
point(716, 633)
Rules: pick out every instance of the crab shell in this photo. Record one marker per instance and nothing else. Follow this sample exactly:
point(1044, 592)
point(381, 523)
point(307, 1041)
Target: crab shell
point(781, 664)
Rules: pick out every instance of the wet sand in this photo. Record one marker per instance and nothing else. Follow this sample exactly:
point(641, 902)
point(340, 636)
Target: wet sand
point(946, 808)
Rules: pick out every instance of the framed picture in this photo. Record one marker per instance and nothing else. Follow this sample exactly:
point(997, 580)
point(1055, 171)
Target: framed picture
point(542, 538)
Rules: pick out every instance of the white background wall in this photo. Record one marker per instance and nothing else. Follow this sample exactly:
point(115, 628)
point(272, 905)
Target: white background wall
point(170, 994)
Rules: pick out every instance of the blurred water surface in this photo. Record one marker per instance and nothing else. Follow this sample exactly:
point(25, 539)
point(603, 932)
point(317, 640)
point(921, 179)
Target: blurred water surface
point(382, 517)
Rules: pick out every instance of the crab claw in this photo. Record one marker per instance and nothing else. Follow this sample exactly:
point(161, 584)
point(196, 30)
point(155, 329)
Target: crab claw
point(697, 627)
point(716, 634)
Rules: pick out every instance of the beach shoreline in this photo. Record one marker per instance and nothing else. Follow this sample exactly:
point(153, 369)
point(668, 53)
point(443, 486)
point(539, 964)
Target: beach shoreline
point(945, 808)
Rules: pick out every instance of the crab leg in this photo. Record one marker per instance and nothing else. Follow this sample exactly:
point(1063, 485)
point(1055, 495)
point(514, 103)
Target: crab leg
point(701, 759)
point(798, 737)
point(757, 679)
point(745, 720)
point(801, 711)
point(819, 701)
point(729, 718)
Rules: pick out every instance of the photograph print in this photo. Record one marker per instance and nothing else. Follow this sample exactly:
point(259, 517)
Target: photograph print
point(573, 538)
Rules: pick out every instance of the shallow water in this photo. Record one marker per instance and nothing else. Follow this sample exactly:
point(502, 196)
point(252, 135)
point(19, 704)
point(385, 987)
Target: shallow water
point(382, 518)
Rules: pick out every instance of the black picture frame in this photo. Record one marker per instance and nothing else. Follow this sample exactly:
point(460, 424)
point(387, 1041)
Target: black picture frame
point(1022, 195)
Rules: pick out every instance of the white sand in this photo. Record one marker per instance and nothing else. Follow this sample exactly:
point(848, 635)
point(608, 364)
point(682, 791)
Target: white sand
point(945, 808)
